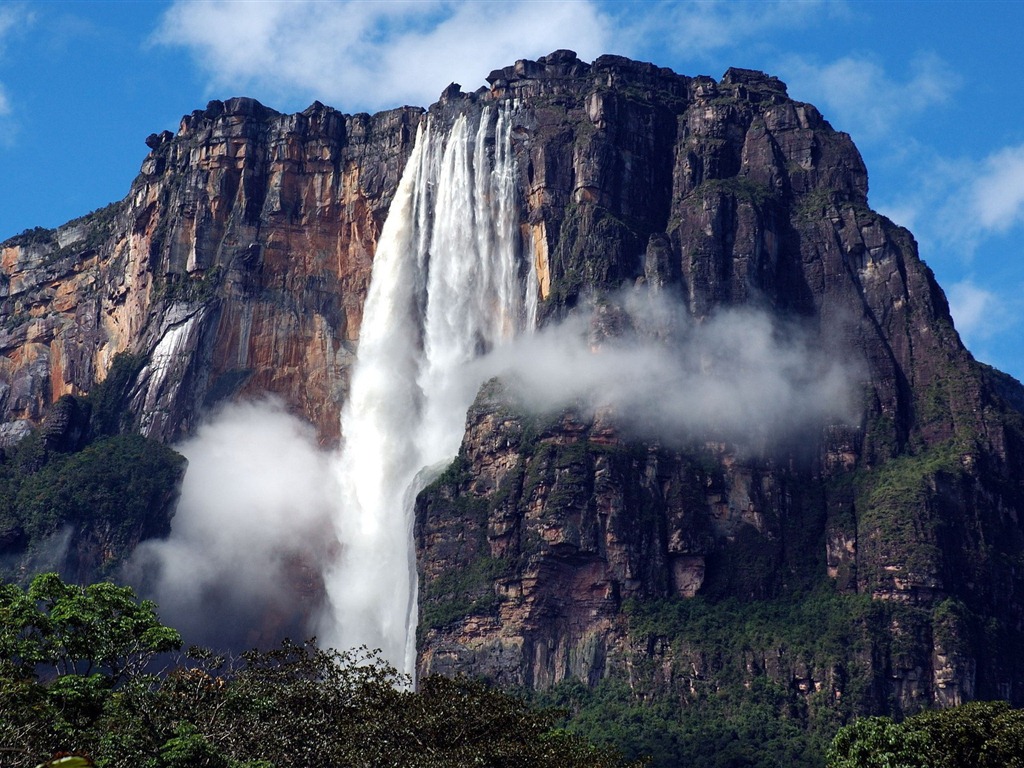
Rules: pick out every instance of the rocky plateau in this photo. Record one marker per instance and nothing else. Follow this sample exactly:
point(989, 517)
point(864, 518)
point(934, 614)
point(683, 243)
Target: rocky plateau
point(238, 264)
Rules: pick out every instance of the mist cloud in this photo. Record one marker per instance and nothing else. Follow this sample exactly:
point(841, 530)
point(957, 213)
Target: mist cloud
point(252, 530)
point(739, 376)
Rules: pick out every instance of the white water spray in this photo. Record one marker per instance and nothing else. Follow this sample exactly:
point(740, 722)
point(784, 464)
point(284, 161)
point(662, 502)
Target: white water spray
point(452, 278)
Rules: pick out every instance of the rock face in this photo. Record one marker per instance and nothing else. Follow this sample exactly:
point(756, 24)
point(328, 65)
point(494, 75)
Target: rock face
point(238, 265)
point(727, 193)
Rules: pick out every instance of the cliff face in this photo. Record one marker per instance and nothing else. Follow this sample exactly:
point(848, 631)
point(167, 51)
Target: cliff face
point(239, 262)
point(237, 265)
point(727, 193)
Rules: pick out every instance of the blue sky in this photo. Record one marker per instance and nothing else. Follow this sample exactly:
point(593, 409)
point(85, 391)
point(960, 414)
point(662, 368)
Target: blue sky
point(932, 92)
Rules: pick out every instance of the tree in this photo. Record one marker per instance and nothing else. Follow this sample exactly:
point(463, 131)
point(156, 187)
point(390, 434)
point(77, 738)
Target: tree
point(64, 650)
point(75, 630)
point(292, 705)
point(878, 742)
point(975, 735)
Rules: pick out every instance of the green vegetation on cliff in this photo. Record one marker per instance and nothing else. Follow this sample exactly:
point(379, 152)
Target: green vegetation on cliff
point(84, 471)
point(759, 683)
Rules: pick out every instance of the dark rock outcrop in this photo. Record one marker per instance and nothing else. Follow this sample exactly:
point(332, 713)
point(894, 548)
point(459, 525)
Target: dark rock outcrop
point(727, 193)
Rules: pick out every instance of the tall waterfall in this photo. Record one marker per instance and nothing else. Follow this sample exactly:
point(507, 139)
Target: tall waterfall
point(452, 277)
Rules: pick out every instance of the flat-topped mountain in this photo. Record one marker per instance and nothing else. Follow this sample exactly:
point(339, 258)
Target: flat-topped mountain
point(876, 556)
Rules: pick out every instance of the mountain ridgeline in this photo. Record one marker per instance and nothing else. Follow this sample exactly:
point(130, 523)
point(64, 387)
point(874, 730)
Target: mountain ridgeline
point(870, 562)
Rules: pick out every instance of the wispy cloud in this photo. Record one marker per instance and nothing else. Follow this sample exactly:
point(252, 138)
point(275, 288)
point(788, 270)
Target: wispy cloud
point(698, 29)
point(957, 204)
point(13, 17)
point(985, 315)
point(996, 199)
point(862, 98)
point(928, 181)
point(978, 312)
point(361, 55)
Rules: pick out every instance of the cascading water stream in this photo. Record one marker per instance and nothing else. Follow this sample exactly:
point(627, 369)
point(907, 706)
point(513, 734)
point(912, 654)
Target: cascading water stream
point(452, 278)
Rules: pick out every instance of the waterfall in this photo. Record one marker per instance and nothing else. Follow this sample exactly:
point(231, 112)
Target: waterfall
point(452, 278)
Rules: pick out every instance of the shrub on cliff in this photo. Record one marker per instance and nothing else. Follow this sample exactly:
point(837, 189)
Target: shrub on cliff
point(84, 473)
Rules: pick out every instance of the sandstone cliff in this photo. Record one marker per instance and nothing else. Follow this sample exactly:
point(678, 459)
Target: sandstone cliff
point(237, 264)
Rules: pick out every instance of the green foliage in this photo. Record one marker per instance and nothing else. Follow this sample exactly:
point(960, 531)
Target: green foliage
point(974, 735)
point(720, 728)
point(904, 480)
point(76, 631)
point(823, 629)
point(878, 742)
point(193, 287)
point(97, 227)
point(121, 485)
point(741, 188)
point(816, 205)
point(461, 592)
point(758, 683)
point(117, 481)
point(895, 513)
point(293, 705)
point(190, 749)
point(31, 237)
point(65, 651)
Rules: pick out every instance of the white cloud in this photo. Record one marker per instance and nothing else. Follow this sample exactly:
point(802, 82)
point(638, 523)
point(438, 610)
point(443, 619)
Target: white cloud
point(977, 312)
point(376, 55)
point(920, 200)
point(361, 55)
point(957, 204)
point(988, 318)
point(997, 194)
point(860, 97)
